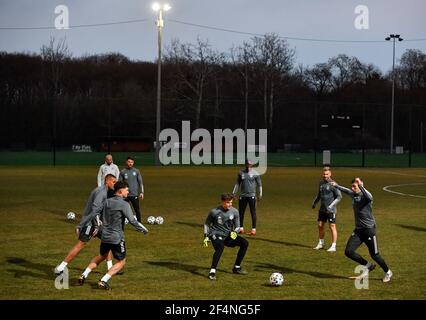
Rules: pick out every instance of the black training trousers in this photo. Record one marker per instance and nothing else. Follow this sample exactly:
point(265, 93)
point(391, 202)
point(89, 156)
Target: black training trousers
point(242, 205)
point(367, 236)
point(219, 243)
point(135, 204)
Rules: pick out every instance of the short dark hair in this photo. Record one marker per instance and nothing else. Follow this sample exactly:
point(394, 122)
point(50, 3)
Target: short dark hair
point(353, 180)
point(110, 176)
point(130, 158)
point(226, 196)
point(120, 185)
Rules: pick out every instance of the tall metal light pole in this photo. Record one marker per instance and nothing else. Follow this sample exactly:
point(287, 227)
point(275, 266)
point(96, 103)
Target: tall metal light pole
point(160, 24)
point(393, 37)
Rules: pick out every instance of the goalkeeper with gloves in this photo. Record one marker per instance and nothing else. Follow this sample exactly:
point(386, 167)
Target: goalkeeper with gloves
point(221, 228)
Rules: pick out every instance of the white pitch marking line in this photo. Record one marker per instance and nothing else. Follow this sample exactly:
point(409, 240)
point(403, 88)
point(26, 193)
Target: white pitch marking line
point(391, 172)
point(403, 185)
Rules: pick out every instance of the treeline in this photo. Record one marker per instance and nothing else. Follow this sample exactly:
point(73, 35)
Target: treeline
point(84, 100)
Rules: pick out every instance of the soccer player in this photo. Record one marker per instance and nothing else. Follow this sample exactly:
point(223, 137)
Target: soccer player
point(107, 168)
point(221, 228)
point(365, 228)
point(133, 178)
point(116, 209)
point(89, 225)
point(330, 197)
point(248, 179)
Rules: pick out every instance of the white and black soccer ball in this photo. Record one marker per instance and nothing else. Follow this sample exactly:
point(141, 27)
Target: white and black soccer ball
point(151, 220)
point(276, 279)
point(159, 220)
point(71, 215)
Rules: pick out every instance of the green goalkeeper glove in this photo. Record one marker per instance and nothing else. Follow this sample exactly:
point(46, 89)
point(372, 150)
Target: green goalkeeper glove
point(233, 235)
point(206, 241)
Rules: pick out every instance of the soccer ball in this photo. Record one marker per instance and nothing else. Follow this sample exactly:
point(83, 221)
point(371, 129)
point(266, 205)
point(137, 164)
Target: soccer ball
point(276, 279)
point(71, 215)
point(151, 220)
point(159, 220)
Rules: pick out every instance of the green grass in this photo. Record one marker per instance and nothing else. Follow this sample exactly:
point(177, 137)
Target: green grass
point(170, 262)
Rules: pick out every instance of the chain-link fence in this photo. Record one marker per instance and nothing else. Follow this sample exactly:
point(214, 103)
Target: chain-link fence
point(70, 131)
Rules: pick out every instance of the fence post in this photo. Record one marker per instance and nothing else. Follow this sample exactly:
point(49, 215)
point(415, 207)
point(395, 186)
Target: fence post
point(363, 156)
point(409, 156)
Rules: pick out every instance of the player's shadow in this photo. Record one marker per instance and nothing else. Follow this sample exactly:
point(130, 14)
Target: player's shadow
point(14, 203)
point(190, 224)
point(37, 270)
point(414, 228)
point(173, 265)
point(30, 269)
point(286, 270)
point(292, 244)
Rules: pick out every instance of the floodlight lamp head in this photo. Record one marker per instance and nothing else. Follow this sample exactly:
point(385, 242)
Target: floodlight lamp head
point(156, 6)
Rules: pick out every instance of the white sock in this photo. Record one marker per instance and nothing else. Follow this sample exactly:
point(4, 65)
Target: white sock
point(212, 270)
point(321, 241)
point(86, 272)
point(237, 267)
point(333, 245)
point(62, 266)
point(109, 264)
point(106, 277)
point(368, 265)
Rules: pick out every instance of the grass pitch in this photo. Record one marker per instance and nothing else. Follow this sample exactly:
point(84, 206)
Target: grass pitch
point(170, 262)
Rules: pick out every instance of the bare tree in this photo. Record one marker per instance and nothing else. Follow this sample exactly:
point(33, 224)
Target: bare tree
point(319, 78)
point(346, 71)
point(194, 65)
point(412, 69)
point(274, 60)
point(54, 55)
point(243, 59)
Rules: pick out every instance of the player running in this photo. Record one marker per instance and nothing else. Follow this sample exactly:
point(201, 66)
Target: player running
point(89, 225)
point(221, 228)
point(330, 197)
point(115, 210)
point(248, 179)
point(365, 229)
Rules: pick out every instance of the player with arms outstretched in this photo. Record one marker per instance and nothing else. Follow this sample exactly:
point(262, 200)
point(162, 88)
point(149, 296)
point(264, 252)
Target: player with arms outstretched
point(90, 225)
point(221, 228)
point(115, 210)
point(365, 229)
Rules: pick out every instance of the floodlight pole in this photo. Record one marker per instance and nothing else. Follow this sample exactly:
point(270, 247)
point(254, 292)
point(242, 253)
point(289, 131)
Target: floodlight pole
point(160, 25)
point(393, 37)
